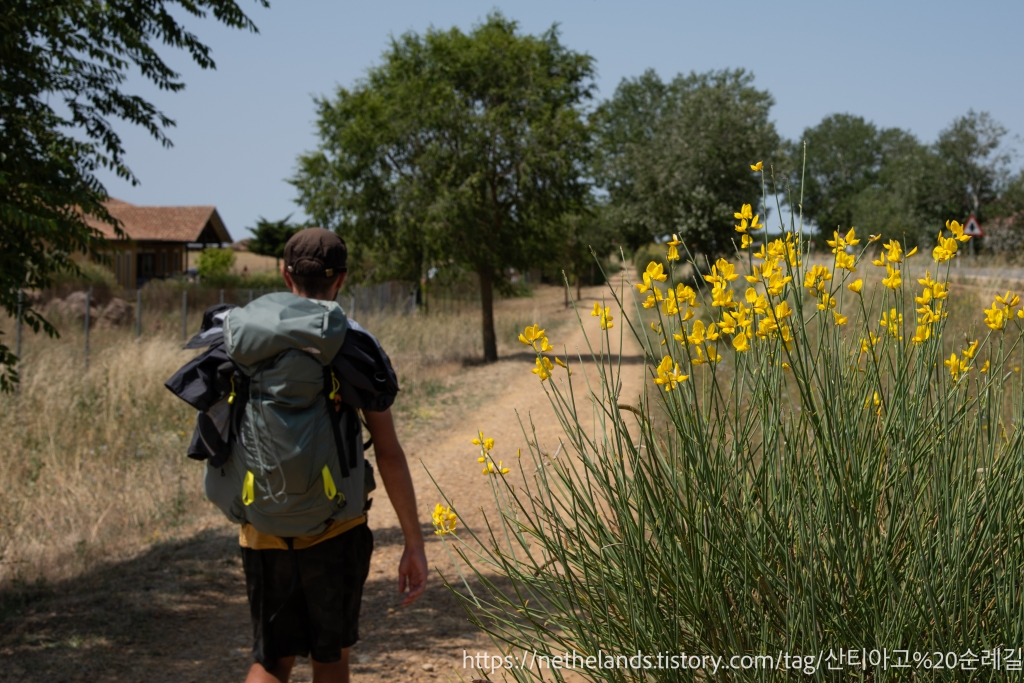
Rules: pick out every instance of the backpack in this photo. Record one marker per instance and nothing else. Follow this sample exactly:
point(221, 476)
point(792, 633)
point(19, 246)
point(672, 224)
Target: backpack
point(278, 394)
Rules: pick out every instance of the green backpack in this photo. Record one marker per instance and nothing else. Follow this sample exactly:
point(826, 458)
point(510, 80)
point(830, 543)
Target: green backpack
point(297, 463)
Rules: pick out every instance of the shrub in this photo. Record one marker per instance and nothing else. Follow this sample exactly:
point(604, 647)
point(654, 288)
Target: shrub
point(89, 274)
point(214, 263)
point(821, 464)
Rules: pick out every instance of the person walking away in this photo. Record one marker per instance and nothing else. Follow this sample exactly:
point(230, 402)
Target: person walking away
point(296, 475)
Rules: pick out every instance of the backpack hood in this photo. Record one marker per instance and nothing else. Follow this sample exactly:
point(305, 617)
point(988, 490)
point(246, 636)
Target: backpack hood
point(284, 321)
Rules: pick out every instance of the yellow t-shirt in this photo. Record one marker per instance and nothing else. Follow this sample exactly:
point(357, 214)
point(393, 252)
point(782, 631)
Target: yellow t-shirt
point(248, 537)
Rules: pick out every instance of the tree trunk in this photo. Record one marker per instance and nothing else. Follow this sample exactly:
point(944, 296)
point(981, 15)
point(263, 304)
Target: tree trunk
point(487, 314)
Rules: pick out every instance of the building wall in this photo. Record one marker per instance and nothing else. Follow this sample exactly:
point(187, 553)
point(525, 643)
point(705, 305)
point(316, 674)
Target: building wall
point(135, 263)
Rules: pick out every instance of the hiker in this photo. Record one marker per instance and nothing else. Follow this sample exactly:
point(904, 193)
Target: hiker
point(278, 394)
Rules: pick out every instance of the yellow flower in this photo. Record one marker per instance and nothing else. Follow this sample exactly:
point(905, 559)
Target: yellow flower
point(757, 167)
point(754, 224)
point(722, 272)
point(673, 252)
point(855, 286)
point(606, 319)
point(484, 443)
point(985, 367)
point(559, 361)
point(776, 283)
point(444, 520)
point(864, 343)
point(893, 321)
point(1009, 299)
point(995, 317)
point(837, 243)
point(922, 334)
point(543, 369)
point(713, 333)
point(713, 355)
point(957, 230)
point(783, 310)
point(653, 297)
point(741, 342)
point(687, 294)
point(816, 277)
point(697, 335)
point(531, 334)
point(840, 319)
point(874, 238)
point(894, 252)
point(955, 365)
point(669, 376)
point(971, 350)
point(894, 279)
point(826, 302)
point(851, 238)
point(655, 271)
point(721, 296)
point(746, 212)
point(845, 261)
point(746, 241)
point(945, 250)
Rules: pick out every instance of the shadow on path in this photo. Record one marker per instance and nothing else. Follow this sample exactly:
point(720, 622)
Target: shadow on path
point(178, 612)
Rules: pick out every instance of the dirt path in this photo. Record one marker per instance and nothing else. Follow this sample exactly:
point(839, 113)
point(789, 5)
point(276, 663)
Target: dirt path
point(177, 611)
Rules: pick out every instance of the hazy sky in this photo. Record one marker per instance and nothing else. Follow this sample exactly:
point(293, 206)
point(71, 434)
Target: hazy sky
point(916, 65)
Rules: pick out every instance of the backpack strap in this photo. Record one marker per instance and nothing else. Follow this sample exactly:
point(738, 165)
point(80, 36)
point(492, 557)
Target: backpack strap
point(332, 397)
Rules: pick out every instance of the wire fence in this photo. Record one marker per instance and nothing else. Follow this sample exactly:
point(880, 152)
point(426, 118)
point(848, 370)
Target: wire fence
point(159, 310)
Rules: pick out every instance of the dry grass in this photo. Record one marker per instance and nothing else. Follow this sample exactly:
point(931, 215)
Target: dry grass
point(93, 463)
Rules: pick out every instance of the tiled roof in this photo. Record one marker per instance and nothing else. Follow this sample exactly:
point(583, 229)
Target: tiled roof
point(162, 223)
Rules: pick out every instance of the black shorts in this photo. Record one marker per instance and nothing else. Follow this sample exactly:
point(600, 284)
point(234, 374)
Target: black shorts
point(306, 602)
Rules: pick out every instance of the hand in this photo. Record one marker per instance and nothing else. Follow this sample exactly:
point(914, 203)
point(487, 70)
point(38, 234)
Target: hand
point(412, 574)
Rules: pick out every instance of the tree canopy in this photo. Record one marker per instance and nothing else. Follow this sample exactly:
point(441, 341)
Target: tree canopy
point(675, 157)
point(886, 180)
point(63, 68)
point(460, 150)
point(269, 237)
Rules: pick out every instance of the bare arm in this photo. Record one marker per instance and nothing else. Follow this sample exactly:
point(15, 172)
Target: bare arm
point(394, 471)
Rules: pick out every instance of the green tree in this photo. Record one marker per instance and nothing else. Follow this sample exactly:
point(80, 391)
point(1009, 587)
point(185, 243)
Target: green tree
point(461, 150)
point(63, 68)
point(269, 237)
point(971, 167)
point(844, 157)
point(675, 157)
point(215, 263)
point(887, 182)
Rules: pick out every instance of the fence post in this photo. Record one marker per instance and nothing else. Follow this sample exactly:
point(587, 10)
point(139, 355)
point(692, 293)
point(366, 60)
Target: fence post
point(17, 327)
point(222, 296)
point(88, 301)
point(138, 313)
point(184, 317)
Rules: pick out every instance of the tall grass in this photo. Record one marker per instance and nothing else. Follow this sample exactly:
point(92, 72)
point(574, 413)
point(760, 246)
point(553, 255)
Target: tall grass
point(833, 482)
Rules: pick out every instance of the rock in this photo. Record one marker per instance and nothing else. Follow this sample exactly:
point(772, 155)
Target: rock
point(73, 307)
point(427, 666)
point(117, 313)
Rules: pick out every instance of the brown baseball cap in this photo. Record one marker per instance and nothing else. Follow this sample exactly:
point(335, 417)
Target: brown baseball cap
point(315, 252)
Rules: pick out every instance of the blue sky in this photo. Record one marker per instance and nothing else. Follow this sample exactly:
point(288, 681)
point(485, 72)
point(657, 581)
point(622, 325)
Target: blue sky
point(915, 65)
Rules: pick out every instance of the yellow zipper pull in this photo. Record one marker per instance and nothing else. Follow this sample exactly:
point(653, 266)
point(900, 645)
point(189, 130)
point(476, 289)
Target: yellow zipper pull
point(329, 488)
point(248, 493)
